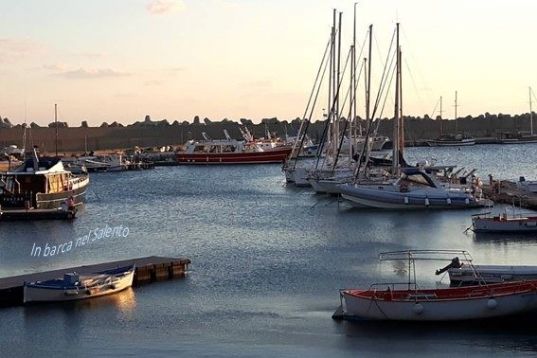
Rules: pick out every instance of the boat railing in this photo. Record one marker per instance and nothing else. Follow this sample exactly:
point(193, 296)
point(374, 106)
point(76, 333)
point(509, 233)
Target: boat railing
point(377, 286)
point(416, 255)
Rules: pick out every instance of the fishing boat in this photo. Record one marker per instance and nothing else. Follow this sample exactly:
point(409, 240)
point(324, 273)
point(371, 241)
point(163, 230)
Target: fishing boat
point(78, 287)
point(230, 151)
point(408, 302)
point(415, 189)
point(39, 187)
point(451, 141)
point(518, 223)
point(521, 138)
point(447, 304)
point(527, 186)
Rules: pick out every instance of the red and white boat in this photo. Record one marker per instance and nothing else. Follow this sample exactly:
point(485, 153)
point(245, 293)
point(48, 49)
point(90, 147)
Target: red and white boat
point(407, 302)
point(446, 304)
point(230, 151)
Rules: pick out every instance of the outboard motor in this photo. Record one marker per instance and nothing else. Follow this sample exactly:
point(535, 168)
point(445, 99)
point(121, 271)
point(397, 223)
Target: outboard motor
point(455, 263)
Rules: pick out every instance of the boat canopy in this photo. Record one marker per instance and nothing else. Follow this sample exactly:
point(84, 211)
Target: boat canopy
point(45, 165)
point(417, 176)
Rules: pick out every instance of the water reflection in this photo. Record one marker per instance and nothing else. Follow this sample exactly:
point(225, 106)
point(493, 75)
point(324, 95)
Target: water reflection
point(504, 238)
point(517, 333)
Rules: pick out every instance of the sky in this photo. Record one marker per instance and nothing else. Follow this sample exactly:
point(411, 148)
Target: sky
point(119, 60)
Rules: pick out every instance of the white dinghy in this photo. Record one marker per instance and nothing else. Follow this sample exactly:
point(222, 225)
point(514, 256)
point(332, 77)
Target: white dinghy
point(78, 287)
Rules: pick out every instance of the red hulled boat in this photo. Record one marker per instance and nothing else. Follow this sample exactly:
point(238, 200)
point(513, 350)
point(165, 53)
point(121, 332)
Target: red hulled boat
point(230, 151)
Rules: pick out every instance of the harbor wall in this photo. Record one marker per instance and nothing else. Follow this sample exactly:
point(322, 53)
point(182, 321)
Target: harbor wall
point(143, 134)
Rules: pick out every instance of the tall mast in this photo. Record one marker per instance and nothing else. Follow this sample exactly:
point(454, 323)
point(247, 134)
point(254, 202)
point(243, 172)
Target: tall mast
point(331, 86)
point(441, 113)
point(56, 125)
point(354, 77)
point(401, 118)
point(337, 119)
point(396, 132)
point(351, 118)
point(531, 114)
point(368, 89)
point(456, 117)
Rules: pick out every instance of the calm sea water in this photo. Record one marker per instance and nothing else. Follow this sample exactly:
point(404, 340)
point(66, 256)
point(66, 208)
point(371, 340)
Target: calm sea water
point(267, 263)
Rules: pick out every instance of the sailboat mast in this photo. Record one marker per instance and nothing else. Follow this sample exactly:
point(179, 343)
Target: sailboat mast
point(368, 89)
point(353, 122)
point(441, 113)
point(337, 119)
point(456, 116)
point(352, 116)
point(531, 113)
point(396, 131)
point(331, 86)
point(401, 118)
point(56, 125)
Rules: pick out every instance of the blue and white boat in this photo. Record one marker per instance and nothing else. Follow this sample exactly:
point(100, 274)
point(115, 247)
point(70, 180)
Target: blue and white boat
point(78, 287)
point(415, 189)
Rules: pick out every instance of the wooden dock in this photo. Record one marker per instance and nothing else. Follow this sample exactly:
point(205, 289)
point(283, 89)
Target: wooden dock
point(148, 269)
point(506, 192)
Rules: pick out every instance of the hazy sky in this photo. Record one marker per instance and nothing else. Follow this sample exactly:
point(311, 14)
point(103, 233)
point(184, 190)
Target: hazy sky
point(107, 60)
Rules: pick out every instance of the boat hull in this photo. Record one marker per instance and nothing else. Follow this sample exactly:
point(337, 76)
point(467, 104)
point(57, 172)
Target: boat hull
point(40, 294)
point(266, 157)
point(511, 225)
point(491, 274)
point(371, 198)
point(523, 298)
point(298, 176)
point(451, 143)
point(50, 205)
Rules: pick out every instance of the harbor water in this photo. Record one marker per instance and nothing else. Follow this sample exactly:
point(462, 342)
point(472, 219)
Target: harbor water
point(267, 263)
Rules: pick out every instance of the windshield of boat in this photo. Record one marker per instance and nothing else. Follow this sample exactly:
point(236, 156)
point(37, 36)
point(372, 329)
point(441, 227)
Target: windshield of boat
point(419, 178)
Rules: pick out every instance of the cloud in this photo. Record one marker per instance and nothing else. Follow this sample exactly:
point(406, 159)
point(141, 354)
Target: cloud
point(54, 67)
point(159, 7)
point(93, 55)
point(83, 73)
point(14, 49)
point(153, 83)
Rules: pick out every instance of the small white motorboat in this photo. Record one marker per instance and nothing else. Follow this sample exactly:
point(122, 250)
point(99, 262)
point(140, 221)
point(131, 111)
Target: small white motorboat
point(78, 287)
point(407, 302)
point(462, 272)
point(491, 274)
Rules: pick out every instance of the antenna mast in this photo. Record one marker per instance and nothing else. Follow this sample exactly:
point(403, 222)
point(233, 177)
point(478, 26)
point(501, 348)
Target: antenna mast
point(56, 125)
